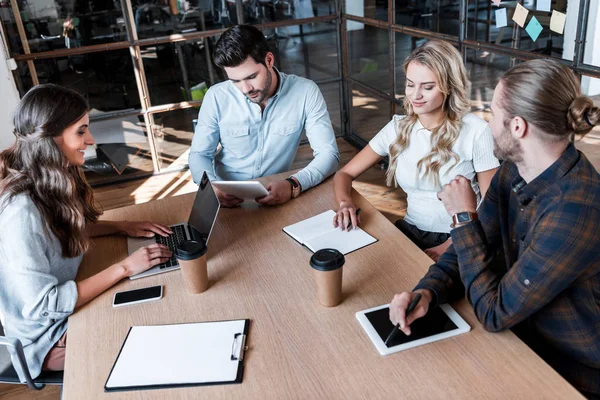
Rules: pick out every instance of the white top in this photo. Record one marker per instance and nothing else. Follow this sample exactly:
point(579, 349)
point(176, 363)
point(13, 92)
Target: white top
point(474, 148)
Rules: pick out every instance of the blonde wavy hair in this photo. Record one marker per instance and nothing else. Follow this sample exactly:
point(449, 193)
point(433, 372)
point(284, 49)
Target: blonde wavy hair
point(446, 64)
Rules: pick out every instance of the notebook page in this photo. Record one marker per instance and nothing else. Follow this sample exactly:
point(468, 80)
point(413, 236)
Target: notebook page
point(177, 354)
point(312, 227)
point(343, 241)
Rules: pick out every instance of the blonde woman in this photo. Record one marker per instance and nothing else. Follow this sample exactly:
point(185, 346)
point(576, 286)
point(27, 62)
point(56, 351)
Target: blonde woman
point(434, 142)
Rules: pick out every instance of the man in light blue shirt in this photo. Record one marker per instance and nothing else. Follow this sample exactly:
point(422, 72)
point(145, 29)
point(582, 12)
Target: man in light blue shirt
point(257, 117)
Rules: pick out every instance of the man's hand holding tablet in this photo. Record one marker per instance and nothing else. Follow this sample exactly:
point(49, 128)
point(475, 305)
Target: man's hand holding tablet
point(280, 192)
point(227, 200)
point(233, 193)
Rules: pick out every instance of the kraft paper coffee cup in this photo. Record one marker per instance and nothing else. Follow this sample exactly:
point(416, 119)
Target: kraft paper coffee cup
point(191, 256)
point(327, 267)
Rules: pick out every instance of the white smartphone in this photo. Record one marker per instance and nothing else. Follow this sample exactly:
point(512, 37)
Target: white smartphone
point(137, 296)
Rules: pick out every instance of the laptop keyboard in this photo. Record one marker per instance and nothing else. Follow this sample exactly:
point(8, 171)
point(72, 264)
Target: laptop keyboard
point(172, 241)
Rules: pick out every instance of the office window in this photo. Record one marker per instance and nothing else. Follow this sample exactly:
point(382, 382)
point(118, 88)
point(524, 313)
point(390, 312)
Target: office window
point(331, 94)
point(154, 19)
point(180, 71)
point(310, 51)
point(10, 28)
point(369, 113)
point(440, 16)
point(486, 25)
point(121, 149)
point(173, 133)
point(105, 79)
point(592, 35)
point(485, 70)
point(53, 24)
point(369, 56)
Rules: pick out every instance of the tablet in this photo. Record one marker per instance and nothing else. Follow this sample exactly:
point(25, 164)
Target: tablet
point(440, 323)
point(242, 189)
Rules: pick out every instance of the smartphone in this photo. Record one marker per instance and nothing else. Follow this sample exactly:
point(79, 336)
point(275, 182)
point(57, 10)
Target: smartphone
point(137, 296)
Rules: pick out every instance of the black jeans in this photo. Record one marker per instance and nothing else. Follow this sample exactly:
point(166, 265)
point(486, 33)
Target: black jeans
point(423, 239)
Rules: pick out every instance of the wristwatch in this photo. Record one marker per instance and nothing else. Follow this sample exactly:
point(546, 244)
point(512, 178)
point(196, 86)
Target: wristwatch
point(295, 187)
point(463, 218)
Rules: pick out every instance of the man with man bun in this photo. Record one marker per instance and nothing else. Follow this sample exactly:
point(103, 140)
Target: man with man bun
point(542, 213)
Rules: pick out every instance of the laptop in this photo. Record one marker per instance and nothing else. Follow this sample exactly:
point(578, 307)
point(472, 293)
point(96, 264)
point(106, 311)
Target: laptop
point(199, 227)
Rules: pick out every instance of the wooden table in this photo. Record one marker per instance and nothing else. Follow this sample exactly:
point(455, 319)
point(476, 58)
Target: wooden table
point(297, 348)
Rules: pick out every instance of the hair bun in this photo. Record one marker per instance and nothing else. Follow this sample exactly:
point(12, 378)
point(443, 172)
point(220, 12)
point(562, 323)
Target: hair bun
point(583, 115)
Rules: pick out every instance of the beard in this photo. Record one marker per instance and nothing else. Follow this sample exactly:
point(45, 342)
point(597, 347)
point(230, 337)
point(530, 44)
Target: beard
point(507, 148)
point(263, 92)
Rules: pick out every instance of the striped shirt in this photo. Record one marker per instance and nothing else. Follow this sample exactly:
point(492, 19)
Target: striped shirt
point(549, 284)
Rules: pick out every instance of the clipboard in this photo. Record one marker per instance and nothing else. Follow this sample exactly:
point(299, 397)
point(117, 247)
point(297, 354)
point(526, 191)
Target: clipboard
point(180, 355)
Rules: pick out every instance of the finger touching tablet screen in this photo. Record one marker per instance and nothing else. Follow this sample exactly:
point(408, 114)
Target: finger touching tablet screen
point(440, 323)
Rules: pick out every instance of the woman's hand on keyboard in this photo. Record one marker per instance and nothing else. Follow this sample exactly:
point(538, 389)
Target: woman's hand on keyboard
point(144, 229)
point(145, 258)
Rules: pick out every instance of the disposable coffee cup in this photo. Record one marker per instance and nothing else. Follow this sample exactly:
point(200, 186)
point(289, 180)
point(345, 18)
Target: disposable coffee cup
point(191, 256)
point(327, 267)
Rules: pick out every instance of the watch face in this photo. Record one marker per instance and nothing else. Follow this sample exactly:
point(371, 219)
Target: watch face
point(463, 217)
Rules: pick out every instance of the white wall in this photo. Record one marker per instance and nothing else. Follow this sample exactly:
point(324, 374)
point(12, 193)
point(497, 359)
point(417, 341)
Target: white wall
point(355, 7)
point(589, 86)
point(10, 98)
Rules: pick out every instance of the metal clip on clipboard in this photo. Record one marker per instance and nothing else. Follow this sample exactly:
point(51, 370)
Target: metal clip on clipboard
point(238, 347)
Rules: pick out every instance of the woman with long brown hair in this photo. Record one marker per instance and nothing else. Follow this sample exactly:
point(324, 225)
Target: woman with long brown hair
point(47, 217)
point(435, 141)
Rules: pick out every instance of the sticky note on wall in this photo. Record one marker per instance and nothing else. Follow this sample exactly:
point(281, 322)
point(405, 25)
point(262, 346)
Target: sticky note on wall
point(557, 22)
point(534, 28)
point(543, 5)
point(501, 18)
point(520, 15)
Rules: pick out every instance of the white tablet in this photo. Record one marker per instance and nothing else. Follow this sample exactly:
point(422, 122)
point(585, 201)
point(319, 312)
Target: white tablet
point(440, 323)
point(242, 189)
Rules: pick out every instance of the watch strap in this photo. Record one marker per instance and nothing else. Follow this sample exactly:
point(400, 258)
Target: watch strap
point(295, 187)
point(455, 219)
point(293, 182)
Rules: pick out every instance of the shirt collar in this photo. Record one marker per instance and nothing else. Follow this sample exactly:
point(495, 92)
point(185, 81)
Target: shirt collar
point(280, 81)
point(418, 126)
point(527, 191)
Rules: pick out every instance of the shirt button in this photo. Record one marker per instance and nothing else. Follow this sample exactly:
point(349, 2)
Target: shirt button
point(45, 314)
point(522, 209)
point(257, 168)
point(526, 282)
point(514, 240)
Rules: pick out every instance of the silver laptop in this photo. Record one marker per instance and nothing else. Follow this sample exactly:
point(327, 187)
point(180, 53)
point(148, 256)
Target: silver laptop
point(199, 227)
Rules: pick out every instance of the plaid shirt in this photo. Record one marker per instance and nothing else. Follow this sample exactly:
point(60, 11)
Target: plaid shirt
point(549, 233)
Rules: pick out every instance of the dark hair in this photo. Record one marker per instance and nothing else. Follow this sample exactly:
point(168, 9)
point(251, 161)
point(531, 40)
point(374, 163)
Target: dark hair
point(547, 94)
point(239, 42)
point(35, 165)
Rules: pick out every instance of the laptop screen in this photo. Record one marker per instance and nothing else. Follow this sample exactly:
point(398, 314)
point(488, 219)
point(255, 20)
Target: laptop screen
point(204, 211)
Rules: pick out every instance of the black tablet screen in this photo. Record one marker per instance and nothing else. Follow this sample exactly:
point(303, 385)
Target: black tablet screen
point(436, 321)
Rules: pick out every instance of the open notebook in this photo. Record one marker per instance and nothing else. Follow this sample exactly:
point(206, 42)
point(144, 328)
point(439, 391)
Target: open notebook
point(318, 233)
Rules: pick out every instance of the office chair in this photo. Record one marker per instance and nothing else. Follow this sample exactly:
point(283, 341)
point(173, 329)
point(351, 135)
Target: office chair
point(250, 11)
point(276, 10)
point(8, 374)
